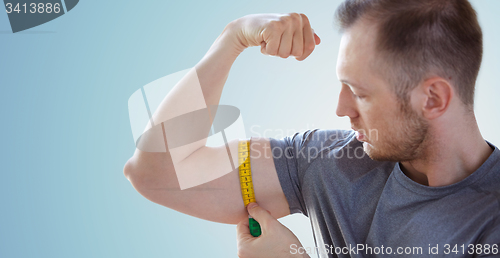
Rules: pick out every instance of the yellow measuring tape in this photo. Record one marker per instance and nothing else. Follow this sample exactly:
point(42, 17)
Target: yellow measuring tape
point(247, 192)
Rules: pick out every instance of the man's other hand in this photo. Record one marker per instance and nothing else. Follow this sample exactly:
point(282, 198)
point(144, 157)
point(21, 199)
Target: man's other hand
point(274, 242)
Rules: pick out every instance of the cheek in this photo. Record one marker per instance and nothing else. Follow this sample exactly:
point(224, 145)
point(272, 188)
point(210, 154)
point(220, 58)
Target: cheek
point(369, 115)
point(381, 119)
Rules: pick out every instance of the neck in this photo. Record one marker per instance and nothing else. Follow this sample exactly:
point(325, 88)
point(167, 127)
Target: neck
point(448, 156)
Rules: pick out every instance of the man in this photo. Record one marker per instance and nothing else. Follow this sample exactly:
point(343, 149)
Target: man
point(429, 183)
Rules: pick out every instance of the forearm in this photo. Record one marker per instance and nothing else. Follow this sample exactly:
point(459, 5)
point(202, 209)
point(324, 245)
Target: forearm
point(200, 89)
point(213, 69)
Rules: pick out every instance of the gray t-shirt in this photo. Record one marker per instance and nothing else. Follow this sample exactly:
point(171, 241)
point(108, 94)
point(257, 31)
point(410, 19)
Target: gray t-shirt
point(363, 208)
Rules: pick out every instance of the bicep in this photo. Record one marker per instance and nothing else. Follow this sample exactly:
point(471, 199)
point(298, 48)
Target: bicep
point(220, 199)
point(268, 191)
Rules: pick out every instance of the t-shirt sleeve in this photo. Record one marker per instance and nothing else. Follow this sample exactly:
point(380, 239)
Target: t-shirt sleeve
point(292, 156)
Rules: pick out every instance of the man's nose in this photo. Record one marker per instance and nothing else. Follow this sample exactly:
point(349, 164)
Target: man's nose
point(346, 105)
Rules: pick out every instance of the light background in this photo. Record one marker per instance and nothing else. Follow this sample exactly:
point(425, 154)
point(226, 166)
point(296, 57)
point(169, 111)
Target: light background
point(66, 133)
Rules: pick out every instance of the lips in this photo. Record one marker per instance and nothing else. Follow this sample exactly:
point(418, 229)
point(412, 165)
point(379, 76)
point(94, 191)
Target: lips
point(361, 137)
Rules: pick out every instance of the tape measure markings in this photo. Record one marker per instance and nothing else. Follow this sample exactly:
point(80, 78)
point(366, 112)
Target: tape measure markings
point(246, 183)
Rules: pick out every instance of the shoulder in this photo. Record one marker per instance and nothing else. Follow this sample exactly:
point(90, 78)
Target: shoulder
point(330, 149)
point(321, 138)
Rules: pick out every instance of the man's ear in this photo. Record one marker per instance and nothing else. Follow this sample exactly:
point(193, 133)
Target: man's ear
point(437, 95)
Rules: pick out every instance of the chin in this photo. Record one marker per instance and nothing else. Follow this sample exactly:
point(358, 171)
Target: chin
point(371, 151)
point(368, 148)
point(378, 154)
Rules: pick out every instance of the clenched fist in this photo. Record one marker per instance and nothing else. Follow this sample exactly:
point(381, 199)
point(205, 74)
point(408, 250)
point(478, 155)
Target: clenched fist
point(280, 35)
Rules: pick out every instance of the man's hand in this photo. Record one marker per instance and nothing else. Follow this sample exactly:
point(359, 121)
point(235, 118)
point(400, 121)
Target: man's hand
point(280, 35)
point(274, 242)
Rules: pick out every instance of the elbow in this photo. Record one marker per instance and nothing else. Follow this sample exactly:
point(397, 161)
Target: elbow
point(130, 172)
point(127, 170)
point(150, 173)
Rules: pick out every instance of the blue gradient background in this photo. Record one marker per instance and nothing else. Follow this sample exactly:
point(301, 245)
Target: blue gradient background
point(66, 133)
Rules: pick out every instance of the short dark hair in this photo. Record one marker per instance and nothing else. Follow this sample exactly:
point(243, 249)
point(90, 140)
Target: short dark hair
point(419, 37)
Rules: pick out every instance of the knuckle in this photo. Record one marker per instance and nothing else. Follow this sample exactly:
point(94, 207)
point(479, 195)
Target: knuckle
point(305, 20)
point(285, 19)
point(295, 18)
point(262, 213)
point(274, 25)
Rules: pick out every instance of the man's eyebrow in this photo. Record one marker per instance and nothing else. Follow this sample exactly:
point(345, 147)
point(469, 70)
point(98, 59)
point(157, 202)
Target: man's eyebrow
point(352, 85)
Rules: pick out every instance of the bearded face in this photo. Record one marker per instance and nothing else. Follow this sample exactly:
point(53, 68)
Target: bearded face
point(400, 138)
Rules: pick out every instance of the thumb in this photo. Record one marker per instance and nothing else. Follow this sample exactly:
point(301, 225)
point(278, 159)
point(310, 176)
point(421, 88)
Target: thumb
point(260, 214)
point(317, 40)
point(242, 230)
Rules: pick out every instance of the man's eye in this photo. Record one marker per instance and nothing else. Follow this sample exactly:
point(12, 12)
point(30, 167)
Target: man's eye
point(357, 96)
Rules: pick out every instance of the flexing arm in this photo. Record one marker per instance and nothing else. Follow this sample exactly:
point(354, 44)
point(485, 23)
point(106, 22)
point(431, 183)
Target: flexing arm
point(153, 174)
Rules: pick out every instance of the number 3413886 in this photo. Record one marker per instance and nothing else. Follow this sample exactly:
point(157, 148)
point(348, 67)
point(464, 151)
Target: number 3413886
point(33, 8)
